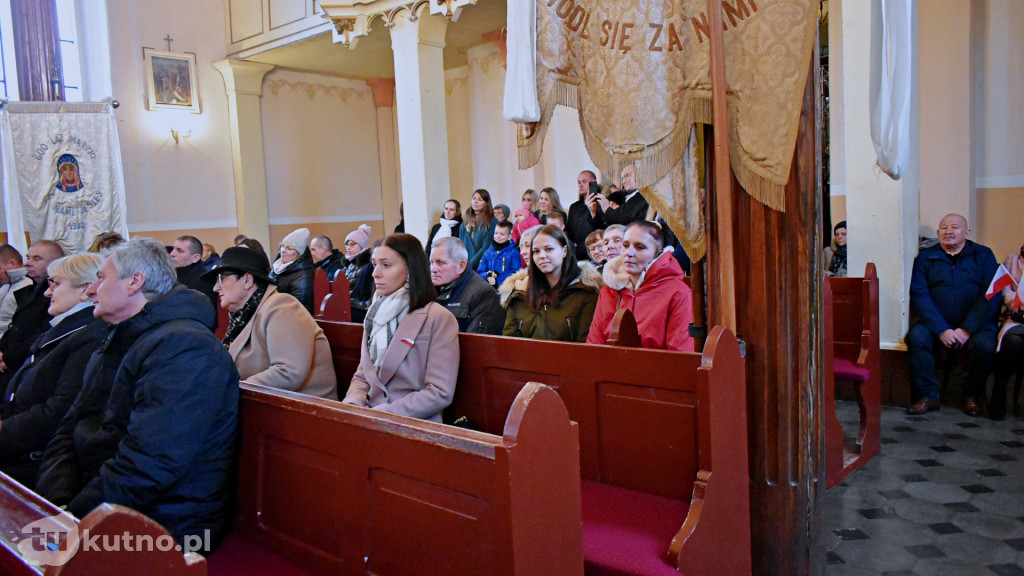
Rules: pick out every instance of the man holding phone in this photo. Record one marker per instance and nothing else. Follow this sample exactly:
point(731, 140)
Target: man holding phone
point(584, 215)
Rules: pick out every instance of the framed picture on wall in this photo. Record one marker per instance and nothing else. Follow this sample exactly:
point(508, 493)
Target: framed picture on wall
point(171, 80)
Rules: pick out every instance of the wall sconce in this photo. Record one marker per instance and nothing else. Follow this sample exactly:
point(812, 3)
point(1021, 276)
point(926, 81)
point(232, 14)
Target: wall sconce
point(178, 135)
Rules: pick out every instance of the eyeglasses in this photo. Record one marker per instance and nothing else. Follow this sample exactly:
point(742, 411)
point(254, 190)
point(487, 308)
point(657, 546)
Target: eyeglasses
point(52, 283)
point(220, 277)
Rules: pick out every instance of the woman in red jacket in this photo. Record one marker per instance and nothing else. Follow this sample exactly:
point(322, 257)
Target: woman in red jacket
point(648, 281)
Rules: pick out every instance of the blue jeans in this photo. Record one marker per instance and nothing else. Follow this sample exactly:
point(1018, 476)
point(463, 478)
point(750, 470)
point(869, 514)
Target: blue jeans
point(921, 348)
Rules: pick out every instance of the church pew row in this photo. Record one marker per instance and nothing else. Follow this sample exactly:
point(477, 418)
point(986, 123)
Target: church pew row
point(30, 521)
point(339, 489)
point(337, 304)
point(852, 354)
point(663, 441)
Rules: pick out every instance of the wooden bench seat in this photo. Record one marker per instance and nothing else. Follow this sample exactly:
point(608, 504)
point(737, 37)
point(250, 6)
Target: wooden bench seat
point(664, 425)
point(852, 355)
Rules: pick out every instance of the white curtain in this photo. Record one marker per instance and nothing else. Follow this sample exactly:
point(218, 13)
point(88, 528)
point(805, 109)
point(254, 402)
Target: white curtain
point(62, 175)
point(892, 47)
point(520, 103)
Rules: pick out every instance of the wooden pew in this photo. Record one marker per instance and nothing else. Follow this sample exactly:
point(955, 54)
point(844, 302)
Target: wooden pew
point(321, 288)
point(340, 489)
point(22, 507)
point(659, 431)
point(852, 354)
point(337, 305)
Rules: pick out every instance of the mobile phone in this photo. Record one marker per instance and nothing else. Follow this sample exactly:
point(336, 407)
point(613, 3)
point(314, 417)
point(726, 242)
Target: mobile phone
point(595, 188)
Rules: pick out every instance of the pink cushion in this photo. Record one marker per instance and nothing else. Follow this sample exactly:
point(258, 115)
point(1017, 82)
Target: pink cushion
point(238, 557)
point(847, 370)
point(627, 532)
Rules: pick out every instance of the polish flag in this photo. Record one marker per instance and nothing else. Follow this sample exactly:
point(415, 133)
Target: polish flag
point(1001, 280)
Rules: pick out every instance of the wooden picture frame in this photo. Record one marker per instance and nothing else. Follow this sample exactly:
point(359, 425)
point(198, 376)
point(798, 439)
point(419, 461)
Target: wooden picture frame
point(171, 82)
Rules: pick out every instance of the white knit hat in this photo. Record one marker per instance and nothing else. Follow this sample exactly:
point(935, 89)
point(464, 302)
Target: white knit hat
point(299, 240)
point(360, 235)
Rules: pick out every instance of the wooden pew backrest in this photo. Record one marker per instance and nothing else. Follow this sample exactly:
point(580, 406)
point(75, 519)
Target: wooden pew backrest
point(341, 489)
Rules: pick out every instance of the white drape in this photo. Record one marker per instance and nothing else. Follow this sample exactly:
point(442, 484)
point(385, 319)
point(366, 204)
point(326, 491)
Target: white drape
point(521, 104)
point(892, 47)
point(70, 207)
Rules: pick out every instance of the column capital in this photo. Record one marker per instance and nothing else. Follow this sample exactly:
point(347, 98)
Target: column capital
point(243, 77)
point(352, 18)
point(383, 91)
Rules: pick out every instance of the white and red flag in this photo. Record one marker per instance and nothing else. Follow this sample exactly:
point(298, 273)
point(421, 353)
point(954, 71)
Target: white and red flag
point(1001, 280)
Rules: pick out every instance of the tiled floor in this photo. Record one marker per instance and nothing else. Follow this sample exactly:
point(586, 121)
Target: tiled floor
point(945, 497)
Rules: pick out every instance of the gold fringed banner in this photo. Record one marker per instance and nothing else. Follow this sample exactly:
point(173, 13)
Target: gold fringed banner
point(638, 71)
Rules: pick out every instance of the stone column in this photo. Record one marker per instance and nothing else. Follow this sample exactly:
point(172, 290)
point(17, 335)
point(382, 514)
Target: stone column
point(244, 84)
point(418, 46)
point(391, 197)
point(882, 213)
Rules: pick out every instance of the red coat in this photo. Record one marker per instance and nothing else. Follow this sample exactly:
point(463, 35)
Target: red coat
point(661, 305)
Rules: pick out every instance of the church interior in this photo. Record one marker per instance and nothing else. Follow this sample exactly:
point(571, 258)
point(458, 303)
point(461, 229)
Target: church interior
point(329, 114)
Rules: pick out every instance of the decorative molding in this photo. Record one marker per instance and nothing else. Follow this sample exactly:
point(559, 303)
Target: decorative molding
point(452, 83)
point(352, 19)
point(483, 63)
point(311, 90)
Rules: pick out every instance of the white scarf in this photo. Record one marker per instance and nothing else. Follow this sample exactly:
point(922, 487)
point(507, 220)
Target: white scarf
point(446, 228)
point(382, 320)
point(281, 267)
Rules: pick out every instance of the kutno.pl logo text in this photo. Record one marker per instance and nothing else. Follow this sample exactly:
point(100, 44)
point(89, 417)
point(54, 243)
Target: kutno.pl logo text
point(54, 540)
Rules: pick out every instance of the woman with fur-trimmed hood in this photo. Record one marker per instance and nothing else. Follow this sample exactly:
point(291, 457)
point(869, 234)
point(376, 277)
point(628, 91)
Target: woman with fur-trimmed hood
point(648, 281)
point(560, 296)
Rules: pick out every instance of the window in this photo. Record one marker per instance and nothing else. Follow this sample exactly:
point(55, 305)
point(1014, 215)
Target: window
point(69, 48)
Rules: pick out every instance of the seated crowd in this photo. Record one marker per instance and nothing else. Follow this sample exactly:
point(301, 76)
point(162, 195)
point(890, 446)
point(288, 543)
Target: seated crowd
point(117, 390)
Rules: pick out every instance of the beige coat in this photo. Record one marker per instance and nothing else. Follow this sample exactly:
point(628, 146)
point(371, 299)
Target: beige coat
point(282, 347)
point(417, 377)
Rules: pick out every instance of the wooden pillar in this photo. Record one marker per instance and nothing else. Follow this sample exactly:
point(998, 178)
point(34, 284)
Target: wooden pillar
point(390, 193)
point(778, 307)
point(244, 84)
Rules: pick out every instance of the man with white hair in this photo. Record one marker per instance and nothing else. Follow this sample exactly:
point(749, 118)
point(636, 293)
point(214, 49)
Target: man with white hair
point(472, 301)
point(154, 425)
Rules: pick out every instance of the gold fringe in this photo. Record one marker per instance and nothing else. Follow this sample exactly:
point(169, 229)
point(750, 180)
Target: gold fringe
point(695, 245)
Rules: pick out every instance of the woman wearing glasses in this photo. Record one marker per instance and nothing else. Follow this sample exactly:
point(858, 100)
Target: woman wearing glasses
point(271, 337)
point(43, 389)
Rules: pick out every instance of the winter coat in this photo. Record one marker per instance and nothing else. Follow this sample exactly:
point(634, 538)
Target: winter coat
point(503, 262)
point(579, 225)
point(8, 299)
point(456, 233)
point(661, 304)
point(514, 284)
point(332, 264)
point(283, 347)
point(944, 295)
point(359, 272)
point(192, 277)
point(478, 241)
point(520, 227)
point(474, 303)
point(569, 321)
point(634, 209)
point(43, 389)
point(30, 320)
point(297, 280)
point(154, 426)
point(420, 366)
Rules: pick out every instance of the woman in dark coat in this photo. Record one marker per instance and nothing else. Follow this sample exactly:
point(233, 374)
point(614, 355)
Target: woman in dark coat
point(294, 270)
point(43, 389)
point(451, 221)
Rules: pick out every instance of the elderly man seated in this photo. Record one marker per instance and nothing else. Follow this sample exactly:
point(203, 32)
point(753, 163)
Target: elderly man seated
point(472, 301)
point(947, 297)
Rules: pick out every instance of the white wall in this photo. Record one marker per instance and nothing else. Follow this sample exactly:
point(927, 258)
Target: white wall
point(167, 186)
point(320, 148)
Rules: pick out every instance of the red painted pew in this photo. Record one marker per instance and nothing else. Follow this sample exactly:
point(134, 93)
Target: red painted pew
point(852, 355)
point(663, 441)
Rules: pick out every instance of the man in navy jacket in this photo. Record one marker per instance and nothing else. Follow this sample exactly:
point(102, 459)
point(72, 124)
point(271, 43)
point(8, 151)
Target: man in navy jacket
point(947, 297)
point(154, 426)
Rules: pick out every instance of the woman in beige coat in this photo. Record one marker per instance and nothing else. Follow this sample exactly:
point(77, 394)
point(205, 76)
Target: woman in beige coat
point(271, 337)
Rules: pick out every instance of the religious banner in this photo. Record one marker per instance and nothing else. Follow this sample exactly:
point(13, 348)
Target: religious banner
point(638, 71)
point(62, 176)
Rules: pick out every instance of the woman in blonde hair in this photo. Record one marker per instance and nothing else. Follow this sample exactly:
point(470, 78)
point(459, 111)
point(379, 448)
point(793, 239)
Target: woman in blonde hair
point(43, 389)
point(478, 226)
